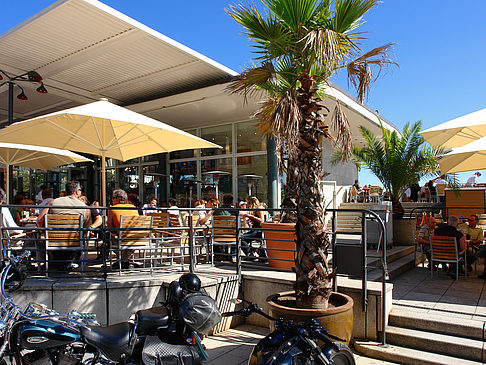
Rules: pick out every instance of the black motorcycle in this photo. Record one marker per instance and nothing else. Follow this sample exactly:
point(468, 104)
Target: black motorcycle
point(168, 334)
point(292, 343)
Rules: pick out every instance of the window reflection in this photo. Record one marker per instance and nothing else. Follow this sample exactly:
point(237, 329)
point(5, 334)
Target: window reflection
point(248, 139)
point(217, 178)
point(220, 135)
point(183, 186)
point(252, 177)
point(129, 179)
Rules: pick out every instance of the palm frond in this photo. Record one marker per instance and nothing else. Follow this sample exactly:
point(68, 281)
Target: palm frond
point(340, 124)
point(360, 70)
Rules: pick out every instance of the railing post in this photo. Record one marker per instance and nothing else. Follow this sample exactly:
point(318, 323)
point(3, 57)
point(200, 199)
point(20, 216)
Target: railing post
point(238, 256)
point(384, 278)
point(364, 268)
point(333, 246)
point(191, 244)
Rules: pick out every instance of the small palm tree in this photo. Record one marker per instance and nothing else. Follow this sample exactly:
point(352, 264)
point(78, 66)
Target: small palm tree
point(300, 44)
point(398, 161)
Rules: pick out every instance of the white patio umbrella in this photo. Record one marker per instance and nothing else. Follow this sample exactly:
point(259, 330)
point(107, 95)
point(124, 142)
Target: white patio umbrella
point(466, 158)
point(457, 132)
point(35, 157)
point(103, 129)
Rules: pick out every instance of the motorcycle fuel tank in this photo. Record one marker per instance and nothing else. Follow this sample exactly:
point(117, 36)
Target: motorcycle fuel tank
point(46, 334)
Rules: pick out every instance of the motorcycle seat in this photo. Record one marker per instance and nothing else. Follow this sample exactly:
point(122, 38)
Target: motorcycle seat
point(113, 341)
point(148, 320)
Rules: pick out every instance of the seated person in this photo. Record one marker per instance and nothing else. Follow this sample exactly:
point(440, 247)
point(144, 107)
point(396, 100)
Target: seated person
point(472, 233)
point(120, 200)
point(205, 211)
point(7, 219)
point(227, 207)
point(424, 234)
point(18, 213)
point(450, 229)
point(65, 260)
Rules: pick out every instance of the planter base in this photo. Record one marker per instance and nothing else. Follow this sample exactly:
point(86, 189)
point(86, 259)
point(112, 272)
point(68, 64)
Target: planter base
point(337, 318)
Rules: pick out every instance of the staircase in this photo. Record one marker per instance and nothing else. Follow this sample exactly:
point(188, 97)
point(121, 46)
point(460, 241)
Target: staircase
point(424, 336)
point(351, 221)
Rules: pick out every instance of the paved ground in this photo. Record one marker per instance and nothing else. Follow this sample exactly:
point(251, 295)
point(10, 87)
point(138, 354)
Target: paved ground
point(233, 347)
point(464, 298)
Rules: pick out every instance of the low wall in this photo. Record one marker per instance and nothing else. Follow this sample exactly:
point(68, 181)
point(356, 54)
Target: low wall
point(116, 299)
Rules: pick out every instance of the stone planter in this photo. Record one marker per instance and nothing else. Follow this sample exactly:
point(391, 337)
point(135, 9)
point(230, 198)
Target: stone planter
point(337, 318)
point(403, 229)
point(280, 244)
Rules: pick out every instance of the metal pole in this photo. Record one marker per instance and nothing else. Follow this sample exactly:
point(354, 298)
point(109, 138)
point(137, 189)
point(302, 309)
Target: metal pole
point(191, 243)
point(364, 270)
point(9, 169)
point(333, 245)
point(383, 285)
point(238, 257)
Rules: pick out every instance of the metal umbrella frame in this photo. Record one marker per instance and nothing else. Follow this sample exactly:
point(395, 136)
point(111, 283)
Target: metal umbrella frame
point(35, 157)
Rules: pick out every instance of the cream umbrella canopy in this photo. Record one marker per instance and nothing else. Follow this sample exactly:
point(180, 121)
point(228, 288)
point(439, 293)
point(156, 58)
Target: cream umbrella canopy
point(457, 132)
point(466, 158)
point(103, 129)
point(35, 157)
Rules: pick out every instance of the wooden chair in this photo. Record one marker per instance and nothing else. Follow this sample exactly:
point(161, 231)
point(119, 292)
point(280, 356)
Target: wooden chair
point(375, 194)
point(223, 233)
point(440, 191)
point(355, 196)
point(444, 249)
point(64, 233)
point(135, 234)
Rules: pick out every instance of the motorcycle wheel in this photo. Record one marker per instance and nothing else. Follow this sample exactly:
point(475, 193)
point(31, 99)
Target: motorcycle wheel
point(343, 357)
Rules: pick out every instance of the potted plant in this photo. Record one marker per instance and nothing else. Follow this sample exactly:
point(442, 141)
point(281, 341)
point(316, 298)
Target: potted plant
point(398, 161)
point(300, 44)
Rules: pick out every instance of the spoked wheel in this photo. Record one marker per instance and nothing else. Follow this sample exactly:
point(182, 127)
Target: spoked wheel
point(343, 357)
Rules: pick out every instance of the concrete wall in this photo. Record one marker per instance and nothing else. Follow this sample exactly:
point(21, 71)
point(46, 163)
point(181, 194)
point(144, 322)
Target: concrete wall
point(118, 298)
point(343, 173)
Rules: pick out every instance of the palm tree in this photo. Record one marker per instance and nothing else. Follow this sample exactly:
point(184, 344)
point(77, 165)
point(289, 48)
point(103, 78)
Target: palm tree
point(398, 161)
point(300, 44)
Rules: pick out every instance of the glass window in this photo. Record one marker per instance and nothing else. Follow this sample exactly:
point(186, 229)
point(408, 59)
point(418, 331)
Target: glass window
point(248, 138)
point(184, 153)
point(183, 185)
point(151, 182)
point(252, 177)
point(220, 135)
point(217, 178)
point(128, 179)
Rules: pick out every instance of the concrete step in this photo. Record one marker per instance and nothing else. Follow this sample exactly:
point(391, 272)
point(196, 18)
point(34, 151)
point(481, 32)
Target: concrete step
point(403, 355)
point(395, 268)
point(435, 321)
point(448, 345)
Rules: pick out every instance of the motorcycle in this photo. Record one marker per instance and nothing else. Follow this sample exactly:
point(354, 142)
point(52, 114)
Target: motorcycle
point(169, 334)
point(292, 343)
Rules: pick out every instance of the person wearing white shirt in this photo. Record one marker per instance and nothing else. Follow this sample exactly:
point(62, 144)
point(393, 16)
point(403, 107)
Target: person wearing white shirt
point(150, 207)
point(7, 219)
point(205, 211)
point(472, 181)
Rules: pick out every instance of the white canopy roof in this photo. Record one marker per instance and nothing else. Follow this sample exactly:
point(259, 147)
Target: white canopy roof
point(86, 50)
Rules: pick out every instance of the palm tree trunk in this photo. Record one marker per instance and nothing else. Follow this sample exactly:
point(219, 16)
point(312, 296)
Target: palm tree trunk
point(313, 287)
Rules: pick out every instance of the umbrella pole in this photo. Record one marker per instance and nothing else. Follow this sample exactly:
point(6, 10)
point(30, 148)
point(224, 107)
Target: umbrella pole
point(103, 179)
point(7, 182)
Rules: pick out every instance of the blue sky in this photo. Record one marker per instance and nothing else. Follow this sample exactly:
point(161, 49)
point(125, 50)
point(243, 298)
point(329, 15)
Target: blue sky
point(440, 49)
